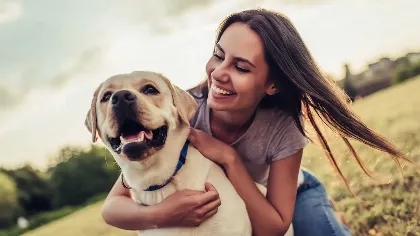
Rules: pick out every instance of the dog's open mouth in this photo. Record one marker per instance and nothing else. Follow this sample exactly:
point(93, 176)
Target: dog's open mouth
point(132, 134)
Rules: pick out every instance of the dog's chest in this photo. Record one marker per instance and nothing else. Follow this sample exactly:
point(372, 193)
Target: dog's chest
point(192, 175)
point(153, 197)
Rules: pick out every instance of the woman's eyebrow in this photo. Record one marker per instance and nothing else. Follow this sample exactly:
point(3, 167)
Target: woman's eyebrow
point(240, 59)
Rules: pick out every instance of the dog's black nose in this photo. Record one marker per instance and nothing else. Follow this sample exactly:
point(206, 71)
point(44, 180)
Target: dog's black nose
point(123, 97)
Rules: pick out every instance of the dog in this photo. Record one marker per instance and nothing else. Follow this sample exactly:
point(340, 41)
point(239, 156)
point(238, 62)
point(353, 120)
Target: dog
point(143, 120)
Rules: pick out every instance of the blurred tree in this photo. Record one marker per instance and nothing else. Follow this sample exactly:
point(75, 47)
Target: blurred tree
point(347, 83)
point(8, 201)
point(405, 72)
point(33, 189)
point(78, 175)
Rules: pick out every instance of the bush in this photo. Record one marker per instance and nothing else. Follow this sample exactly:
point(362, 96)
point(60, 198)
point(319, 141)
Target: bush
point(80, 175)
point(8, 201)
point(33, 188)
point(406, 72)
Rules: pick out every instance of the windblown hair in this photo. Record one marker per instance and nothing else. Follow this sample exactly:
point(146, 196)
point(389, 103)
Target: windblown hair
point(304, 89)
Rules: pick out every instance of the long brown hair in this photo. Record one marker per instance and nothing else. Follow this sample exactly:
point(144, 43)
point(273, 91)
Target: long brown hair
point(304, 89)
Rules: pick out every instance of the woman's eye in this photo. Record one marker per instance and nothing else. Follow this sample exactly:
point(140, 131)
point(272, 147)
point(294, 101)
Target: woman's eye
point(106, 96)
point(218, 57)
point(242, 70)
point(149, 89)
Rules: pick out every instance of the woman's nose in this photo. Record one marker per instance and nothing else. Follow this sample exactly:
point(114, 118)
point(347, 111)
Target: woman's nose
point(220, 73)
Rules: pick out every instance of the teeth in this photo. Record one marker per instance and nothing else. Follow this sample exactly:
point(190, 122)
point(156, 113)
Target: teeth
point(139, 139)
point(219, 90)
point(119, 148)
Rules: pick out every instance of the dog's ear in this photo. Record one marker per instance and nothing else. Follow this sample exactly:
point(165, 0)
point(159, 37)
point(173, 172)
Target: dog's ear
point(91, 117)
point(183, 101)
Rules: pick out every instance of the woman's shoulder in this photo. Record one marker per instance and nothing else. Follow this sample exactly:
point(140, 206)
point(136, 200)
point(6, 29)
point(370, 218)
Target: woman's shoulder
point(277, 118)
point(201, 100)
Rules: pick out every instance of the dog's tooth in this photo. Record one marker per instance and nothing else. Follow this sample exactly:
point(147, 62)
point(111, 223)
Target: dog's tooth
point(123, 141)
point(148, 135)
point(119, 147)
point(141, 138)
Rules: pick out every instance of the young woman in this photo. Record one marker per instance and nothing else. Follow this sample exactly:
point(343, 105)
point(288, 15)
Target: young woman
point(262, 82)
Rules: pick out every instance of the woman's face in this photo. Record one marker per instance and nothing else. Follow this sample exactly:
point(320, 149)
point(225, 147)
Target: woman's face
point(237, 72)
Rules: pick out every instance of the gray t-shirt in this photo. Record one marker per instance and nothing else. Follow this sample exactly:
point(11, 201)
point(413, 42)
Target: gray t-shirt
point(272, 136)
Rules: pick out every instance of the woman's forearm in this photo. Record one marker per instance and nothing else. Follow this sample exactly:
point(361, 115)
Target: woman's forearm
point(264, 217)
point(122, 212)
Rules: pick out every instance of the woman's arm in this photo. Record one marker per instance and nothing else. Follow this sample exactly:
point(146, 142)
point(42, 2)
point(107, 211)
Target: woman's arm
point(120, 211)
point(271, 215)
point(183, 208)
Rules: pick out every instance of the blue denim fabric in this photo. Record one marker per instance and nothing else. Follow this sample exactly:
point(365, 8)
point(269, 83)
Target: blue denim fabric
point(314, 214)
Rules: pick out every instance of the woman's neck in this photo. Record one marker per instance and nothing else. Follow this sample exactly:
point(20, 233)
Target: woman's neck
point(229, 126)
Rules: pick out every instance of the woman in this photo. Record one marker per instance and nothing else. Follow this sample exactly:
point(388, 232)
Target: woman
point(261, 82)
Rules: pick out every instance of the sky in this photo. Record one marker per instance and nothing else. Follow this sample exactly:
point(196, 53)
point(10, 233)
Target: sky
point(53, 54)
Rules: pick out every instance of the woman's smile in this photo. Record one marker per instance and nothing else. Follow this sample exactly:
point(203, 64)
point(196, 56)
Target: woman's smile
point(218, 92)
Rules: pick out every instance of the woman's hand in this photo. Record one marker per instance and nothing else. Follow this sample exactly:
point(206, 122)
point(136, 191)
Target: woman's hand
point(189, 208)
point(212, 148)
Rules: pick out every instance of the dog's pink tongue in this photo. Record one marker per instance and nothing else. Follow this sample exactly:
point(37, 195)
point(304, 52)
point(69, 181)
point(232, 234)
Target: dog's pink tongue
point(139, 135)
point(133, 137)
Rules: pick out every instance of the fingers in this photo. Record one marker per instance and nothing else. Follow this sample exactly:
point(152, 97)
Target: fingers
point(205, 198)
point(198, 221)
point(194, 131)
point(211, 206)
point(210, 195)
point(189, 192)
point(208, 210)
point(209, 187)
point(196, 135)
point(193, 136)
point(210, 214)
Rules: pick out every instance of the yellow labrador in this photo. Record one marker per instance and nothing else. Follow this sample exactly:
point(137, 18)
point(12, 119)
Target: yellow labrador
point(144, 122)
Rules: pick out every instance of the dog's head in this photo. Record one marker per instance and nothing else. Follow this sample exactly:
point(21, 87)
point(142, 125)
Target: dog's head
point(134, 113)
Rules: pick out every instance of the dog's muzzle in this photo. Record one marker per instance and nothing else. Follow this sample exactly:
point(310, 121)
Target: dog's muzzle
point(123, 103)
point(133, 138)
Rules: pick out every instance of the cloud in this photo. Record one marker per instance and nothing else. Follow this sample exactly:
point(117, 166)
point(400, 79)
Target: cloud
point(7, 97)
point(12, 95)
point(177, 8)
point(160, 15)
point(304, 2)
point(167, 16)
point(85, 63)
point(10, 10)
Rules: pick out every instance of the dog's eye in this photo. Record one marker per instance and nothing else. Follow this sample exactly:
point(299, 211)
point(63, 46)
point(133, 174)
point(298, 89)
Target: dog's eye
point(149, 89)
point(106, 96)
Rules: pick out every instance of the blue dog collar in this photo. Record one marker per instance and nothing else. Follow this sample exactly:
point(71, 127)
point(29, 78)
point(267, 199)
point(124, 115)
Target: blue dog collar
point(181, 162)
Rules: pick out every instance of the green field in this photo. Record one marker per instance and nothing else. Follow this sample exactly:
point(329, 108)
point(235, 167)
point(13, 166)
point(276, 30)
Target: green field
point(379, 209)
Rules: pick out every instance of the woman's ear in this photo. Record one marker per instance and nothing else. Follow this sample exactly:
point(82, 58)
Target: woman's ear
point(272, 89)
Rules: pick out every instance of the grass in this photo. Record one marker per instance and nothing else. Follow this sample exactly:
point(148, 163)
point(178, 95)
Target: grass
point(87, 221)
point(379, 209)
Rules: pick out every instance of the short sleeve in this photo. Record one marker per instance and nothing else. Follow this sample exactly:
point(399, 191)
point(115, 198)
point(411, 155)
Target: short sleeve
point(200, 102)
point(287, 140)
